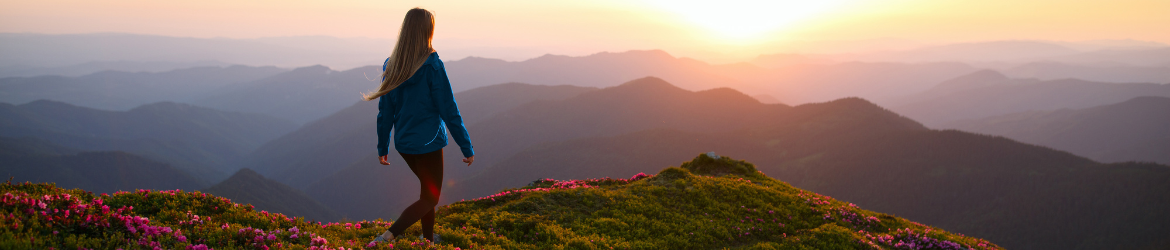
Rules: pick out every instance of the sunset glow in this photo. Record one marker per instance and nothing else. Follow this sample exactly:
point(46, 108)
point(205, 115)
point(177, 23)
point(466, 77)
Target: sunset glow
point(741, 20)
point(714, 31)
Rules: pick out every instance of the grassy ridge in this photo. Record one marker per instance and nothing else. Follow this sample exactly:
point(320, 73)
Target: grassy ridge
point(703, 204)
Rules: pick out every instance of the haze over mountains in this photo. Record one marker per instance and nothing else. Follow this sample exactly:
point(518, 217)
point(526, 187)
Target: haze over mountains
point(885, 80)
point(859, 127)
point(115, 90)
point(989, 93)
point(1137, 129)
point(37, 160)
point(847, 148)
point(207, 143)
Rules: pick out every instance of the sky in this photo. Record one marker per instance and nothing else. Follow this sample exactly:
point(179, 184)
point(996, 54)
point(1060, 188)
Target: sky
point(717, 31)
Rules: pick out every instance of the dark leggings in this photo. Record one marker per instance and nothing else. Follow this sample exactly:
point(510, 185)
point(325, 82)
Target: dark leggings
point(428, 167)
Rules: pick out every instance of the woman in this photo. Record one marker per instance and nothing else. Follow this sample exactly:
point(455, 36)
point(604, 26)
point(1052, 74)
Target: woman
point(415, 99)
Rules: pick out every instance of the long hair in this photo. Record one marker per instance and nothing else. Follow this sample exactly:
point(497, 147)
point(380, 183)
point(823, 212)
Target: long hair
point(411, 51)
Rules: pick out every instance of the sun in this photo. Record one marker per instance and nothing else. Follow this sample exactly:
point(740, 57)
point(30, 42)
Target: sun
point(745, 19)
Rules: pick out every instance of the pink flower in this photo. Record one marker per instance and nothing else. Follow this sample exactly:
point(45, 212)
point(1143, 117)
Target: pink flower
point(271, 237)
point(318, 241)
point(374, 244)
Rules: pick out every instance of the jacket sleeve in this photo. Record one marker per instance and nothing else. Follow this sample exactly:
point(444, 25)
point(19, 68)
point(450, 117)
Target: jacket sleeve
point(386, 121)
point(444, 98)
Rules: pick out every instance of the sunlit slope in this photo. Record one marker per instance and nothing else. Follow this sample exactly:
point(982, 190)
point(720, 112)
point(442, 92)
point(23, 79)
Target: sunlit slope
point(707, 203)
point(704, 204)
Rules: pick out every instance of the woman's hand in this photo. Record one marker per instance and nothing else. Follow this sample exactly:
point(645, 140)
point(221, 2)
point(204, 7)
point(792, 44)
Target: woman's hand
point(383, 160)
point(468, 160)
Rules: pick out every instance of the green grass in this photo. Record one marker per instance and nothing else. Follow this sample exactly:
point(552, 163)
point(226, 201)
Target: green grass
point(706, 203)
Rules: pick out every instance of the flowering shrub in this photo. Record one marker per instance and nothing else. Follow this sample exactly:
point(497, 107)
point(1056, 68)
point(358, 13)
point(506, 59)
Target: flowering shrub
point(42, 216)
point(734, 207)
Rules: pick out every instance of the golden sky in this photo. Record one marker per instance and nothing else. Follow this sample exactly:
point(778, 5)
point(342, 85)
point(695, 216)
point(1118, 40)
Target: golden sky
point(708, 30)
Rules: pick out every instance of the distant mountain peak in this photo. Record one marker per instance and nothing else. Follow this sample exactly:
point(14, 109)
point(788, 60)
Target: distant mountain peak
point(647, 53)
point(859, 108)
point(1149, 99)
point(985, 75)
point(973, 80)
point(164, 105)
point(313, 69)
point(246, 174)
point(648, 83)
point(47, 103)
point(854, 102)
point(655, 54)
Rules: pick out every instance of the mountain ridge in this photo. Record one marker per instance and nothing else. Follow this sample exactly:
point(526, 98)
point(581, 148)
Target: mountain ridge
point(205, 142)
point(1124, 131)
point(248, 187)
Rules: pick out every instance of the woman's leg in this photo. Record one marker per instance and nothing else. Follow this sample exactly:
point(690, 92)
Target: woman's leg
point(428, 225)
point(428, 168)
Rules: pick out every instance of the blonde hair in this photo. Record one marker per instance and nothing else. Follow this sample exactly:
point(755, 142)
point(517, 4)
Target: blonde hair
point(411, 51)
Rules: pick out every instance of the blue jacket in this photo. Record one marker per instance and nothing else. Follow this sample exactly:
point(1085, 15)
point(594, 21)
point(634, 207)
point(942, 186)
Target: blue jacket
point(421, 108)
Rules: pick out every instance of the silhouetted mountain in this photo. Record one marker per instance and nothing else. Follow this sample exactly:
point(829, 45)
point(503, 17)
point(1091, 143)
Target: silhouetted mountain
point(249, 187)
point(598, 70)
point(791, 83)
point(982, 78)
point(876, 81)
point(99, 66)
point(839, 119)
point(643, 104)
point(937, 106)
point(116, 90)
point(1006, 190)
point(30, 146)
point(29, 159)
point(479, 104)
point(974, 52)
point(205, 142)
point(55, 50)
point(1101, 73)
point(766, 99)
point(850, 149)
point(1134, 130)
point(330, 144)
point(1139, 57)
point(301, 95)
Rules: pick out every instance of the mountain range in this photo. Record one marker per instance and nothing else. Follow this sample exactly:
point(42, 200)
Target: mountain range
point(248, 187)
point(1133, 130)
point(299, 158)
point(300, 95)
point(309, 93)
point(116, 90)
point(851, 149)
point(1109, 72)
point(204, 142)
point(989, 93)
point(1029, 157)
point(36, 160)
